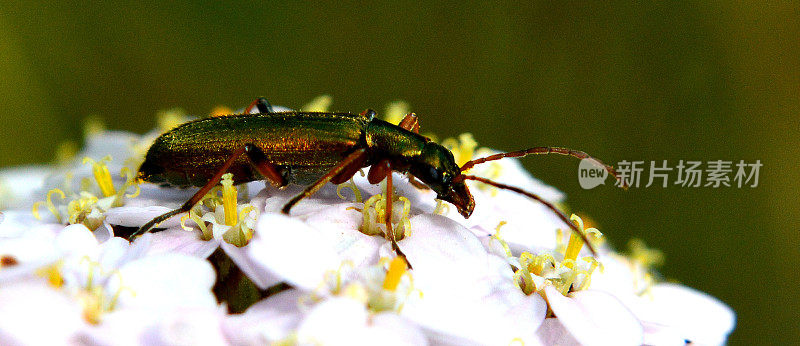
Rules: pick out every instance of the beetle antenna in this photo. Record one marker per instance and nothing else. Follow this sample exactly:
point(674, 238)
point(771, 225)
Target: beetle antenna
point(544, 151)
point(540, 200)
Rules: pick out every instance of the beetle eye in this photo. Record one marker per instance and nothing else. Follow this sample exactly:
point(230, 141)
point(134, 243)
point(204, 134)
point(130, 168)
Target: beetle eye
point(435, 174)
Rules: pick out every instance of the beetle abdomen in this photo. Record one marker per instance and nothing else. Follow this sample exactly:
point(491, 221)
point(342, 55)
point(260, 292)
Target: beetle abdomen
point(300, 144)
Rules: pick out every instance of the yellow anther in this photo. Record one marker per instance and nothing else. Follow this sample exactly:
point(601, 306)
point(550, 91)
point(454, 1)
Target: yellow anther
point(79, 208)
point(374, 216)
point(130, 180)
point(50, 205)
point(93, 125)
point(356, 292)
point(396, 111)
point(206, 233)
point(220, 111)
point(442, 208)
point(229, 199)
point(318, 104)
point(496, 237)
point(397, 267)
point(240, 234)
point(53, 274)
point(170, 118)
point(101, 175)
point(575, 242)
point(92, 301)
point(352, 186)
point(65, 152)
point(645, 256)
point(463, 149)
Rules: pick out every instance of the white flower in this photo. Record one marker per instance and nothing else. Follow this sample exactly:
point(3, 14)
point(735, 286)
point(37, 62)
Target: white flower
point(100, 279)
point(504, 276)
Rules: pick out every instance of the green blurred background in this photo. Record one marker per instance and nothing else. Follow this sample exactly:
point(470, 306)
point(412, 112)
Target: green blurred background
point(667, 81)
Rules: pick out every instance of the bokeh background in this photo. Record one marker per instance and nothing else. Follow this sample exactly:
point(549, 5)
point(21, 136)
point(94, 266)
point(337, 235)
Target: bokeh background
point(701, 81)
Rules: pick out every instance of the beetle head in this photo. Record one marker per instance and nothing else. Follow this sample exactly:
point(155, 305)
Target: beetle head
point(436, 167)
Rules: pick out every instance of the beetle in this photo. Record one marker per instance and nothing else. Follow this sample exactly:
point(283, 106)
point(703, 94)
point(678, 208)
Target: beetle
point(315, 148)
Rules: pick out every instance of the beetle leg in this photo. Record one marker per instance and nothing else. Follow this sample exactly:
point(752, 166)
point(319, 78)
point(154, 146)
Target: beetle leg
point(410, 122)
point(355, 156)
point(263, 166)
point(257, 159)
point(416, 183)
point(262, 104)
point(349, 170)
point(389, 201)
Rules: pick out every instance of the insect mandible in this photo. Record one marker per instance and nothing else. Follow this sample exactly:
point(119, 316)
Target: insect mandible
point(315, 148)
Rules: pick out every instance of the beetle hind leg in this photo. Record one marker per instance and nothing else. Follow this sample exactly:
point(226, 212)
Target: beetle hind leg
point(257, 158)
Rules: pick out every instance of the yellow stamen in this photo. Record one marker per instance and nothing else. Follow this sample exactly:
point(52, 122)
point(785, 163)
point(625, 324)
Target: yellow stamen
point(397, 267)
point(65, 152)
point(356, 292)
point(93, 125)
point(53, 274)
point(396, 111)
point(220, 111)
point(50, 205)
point(442, 208)
point(647, 257)
point(318, 104)
point(130, 180)
point(352, 186)
point(229, 199)
point(575, 242)
point(79, 208)
point(101, 175)
point(496, 236)
point(463, 149)
point(170, 118)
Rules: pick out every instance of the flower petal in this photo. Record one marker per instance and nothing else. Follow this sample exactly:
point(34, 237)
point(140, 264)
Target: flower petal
point(595, 318)
point(698, 317)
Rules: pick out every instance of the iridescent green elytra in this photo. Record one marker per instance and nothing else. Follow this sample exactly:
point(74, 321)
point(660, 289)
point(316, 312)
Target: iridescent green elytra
point(303, 146)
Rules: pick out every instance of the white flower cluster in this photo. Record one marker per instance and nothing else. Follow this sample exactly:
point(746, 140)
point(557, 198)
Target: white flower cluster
point(325, 274)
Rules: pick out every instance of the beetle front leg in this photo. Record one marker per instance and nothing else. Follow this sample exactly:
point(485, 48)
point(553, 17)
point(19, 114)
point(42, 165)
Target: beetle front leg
point(359, 155)
point(257, 159)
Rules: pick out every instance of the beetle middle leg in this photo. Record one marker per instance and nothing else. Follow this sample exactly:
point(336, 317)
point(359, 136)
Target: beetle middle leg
point(257, 159)
point(377, 173)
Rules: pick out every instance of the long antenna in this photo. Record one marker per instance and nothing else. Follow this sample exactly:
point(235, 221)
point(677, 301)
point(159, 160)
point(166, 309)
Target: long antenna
point(540, 200)
point(544, 151)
